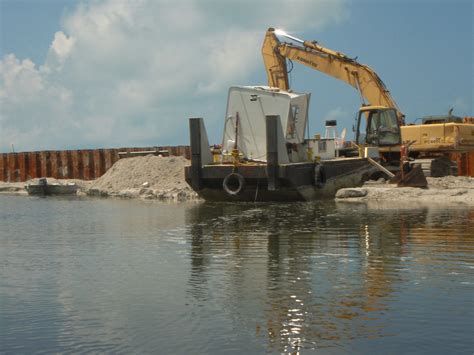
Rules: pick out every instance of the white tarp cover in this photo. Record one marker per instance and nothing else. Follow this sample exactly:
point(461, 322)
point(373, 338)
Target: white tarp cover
point(252, 104)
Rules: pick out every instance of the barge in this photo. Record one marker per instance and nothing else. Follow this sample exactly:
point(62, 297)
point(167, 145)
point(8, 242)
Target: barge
point(43, 188)
point(265, 156)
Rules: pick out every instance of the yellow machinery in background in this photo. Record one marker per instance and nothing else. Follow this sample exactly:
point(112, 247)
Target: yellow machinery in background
point(380, 122)
point(444, 136)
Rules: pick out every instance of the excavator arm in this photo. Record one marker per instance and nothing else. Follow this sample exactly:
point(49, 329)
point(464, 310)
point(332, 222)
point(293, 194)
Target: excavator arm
point(329, 62)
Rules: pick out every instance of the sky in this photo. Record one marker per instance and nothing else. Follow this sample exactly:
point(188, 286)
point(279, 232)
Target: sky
point(78, 74)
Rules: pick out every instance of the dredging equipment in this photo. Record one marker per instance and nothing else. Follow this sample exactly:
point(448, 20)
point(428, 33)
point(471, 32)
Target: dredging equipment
point(264, 155)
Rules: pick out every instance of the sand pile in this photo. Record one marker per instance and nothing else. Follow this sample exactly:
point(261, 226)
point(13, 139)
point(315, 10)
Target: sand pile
point(445, 190)
point(150, 177)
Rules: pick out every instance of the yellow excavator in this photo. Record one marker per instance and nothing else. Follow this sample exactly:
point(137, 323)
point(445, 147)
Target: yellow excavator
point(380, 122)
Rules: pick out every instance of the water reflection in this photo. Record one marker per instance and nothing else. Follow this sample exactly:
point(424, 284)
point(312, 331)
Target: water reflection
point(317, 276)
point(132, 277)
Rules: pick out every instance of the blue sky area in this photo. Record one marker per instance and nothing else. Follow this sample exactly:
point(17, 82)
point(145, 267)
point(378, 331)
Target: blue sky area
point(27, 27)
point(106, 54)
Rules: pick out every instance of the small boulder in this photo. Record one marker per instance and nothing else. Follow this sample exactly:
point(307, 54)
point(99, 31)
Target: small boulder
point(129, 193)
point(351, 193)
point(97, 192)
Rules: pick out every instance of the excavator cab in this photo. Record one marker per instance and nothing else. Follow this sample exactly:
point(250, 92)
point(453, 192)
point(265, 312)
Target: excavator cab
point(378, 126)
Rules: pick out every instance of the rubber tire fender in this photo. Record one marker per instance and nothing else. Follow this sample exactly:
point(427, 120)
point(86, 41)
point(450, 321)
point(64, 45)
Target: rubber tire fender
point(319, 176)
point(240, 180)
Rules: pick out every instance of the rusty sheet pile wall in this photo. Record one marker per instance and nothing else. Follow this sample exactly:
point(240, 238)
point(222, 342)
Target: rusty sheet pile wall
point(85, 164)
point(465, 163)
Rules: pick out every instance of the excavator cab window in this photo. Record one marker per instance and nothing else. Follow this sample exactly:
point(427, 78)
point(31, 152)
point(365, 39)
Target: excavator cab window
point(378, 128)
point(361, 129)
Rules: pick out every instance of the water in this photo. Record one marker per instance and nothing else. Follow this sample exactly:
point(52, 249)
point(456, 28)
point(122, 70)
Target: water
point(116, 276)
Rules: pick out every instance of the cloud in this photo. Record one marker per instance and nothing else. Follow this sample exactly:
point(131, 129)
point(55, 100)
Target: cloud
point(62, 46)
point(122, 73)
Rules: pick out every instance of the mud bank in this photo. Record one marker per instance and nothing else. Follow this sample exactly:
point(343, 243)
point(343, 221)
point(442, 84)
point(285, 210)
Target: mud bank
point(446, 190)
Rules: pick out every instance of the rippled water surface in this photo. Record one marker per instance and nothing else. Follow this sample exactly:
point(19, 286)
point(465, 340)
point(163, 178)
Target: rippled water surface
point(80, 275)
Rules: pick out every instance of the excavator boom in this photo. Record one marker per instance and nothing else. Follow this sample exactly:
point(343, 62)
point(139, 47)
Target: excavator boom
point(380, 122)
point(329, 62)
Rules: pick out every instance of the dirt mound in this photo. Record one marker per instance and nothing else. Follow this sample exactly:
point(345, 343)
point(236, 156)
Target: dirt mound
point(150, 177)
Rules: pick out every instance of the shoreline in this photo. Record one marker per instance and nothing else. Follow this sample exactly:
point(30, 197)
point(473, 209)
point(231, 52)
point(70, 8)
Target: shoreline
point(441, 191)
point(162, 178)
point(87, 189)
point(459, 191)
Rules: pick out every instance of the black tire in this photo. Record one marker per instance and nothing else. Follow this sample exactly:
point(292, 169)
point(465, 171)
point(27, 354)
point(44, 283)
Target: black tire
point(319, 176)
point(233, 184)
point(441, 167)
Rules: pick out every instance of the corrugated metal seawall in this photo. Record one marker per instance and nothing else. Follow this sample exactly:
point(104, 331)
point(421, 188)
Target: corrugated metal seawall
point(85, 164)
point(465, 163)
point(89, 164)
